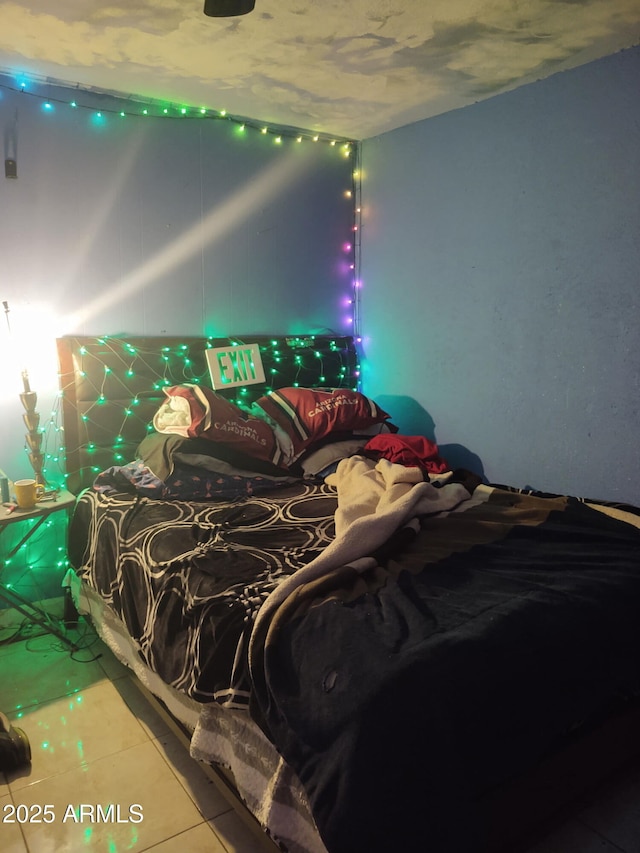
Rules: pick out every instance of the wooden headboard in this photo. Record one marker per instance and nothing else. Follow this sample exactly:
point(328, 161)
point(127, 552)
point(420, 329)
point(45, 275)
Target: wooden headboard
point(112, 386)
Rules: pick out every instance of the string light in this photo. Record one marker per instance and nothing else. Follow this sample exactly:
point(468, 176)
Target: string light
point(354, 197)
point(118, 373)
point(136, 108)
point(34, 556)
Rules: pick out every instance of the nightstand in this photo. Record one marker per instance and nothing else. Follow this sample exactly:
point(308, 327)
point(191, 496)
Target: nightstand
point(58, 502)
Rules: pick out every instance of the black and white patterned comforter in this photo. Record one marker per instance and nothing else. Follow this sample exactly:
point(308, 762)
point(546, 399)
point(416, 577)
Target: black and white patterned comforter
point(188, 578)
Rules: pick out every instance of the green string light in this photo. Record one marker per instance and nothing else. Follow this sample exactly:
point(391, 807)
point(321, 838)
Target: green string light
point(297, 361)
point(135, 109)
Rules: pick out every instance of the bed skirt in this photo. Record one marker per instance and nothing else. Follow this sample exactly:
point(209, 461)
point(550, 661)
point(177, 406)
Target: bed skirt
point(224, 739)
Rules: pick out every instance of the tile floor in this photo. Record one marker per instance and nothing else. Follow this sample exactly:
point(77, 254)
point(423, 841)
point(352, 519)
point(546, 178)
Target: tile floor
point(96, 740)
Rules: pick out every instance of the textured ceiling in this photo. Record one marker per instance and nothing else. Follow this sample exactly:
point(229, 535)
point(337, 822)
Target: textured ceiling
point(351, 68)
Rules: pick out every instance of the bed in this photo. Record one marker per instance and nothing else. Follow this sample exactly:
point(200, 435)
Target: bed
point(379, 651)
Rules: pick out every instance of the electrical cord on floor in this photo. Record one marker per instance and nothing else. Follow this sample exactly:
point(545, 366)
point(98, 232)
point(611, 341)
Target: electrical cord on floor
point(86, 639)
point(14, 635)
point(30, 632)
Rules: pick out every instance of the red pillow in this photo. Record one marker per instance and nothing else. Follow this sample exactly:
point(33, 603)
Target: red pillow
point(197, 412)
point(308, 414)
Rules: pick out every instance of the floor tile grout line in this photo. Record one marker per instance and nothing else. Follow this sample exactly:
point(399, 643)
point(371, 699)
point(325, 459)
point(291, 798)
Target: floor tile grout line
point(597, 832)
point(156, 742)
point(20, 825)
point(175, 835)
point(145, 733)
point(77, 768)
point(110, 677)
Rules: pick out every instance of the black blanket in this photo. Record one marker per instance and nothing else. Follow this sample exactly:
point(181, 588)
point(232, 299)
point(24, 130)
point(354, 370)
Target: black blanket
point(403, 694)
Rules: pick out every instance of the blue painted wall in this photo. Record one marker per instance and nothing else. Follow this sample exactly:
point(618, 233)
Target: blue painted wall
point(501, 293)
point(153, 225)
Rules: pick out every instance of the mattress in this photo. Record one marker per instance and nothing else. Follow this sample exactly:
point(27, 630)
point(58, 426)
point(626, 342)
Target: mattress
point(406, 647)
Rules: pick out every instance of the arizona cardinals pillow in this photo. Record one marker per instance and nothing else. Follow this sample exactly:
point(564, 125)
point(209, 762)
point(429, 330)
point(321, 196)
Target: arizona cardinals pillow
point(307, 414)
point(193, 411)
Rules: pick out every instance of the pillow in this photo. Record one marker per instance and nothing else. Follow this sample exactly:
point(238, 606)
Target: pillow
point(160, 453)
point(307, 415)
point(316, 460)
point(193, 411)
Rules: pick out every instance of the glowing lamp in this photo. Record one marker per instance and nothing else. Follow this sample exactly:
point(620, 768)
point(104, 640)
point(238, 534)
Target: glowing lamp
point(26, 354)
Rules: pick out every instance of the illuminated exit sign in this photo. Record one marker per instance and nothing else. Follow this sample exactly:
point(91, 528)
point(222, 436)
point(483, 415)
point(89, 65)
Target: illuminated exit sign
point(239, 365)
